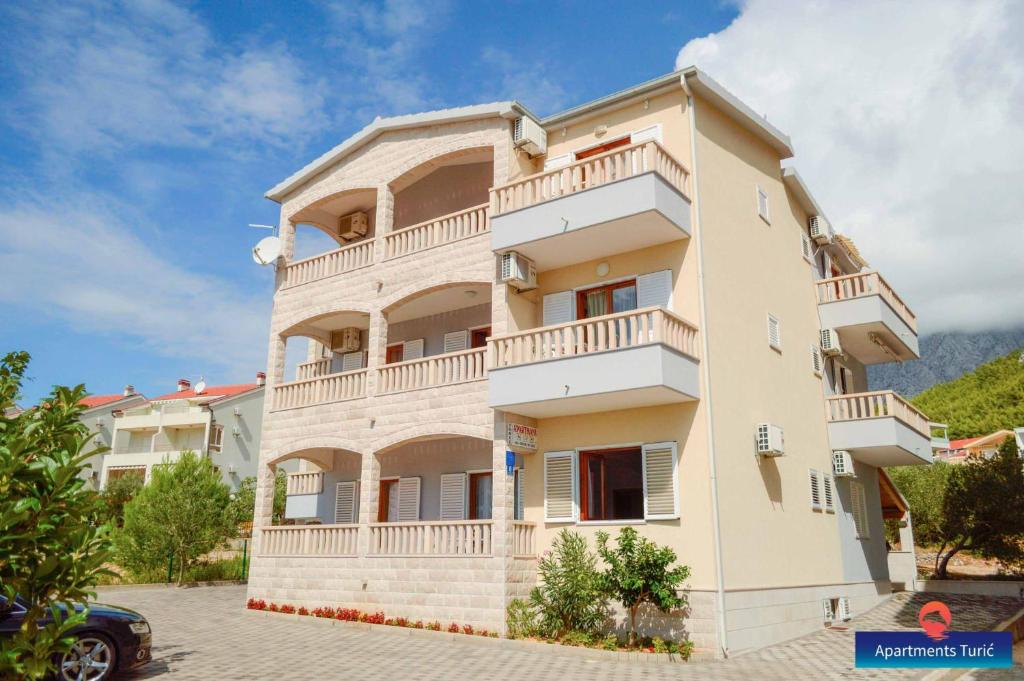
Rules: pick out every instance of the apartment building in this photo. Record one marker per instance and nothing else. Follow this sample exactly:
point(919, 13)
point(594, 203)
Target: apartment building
point(222, 422)
point(627, 313)
point(98, 417)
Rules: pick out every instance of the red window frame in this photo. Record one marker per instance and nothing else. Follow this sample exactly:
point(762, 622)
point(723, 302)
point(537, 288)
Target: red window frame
point(473, 477)
point(384, 498)
point(478, 337)
point(584, 472)
point(395, 353)
point(581, 296)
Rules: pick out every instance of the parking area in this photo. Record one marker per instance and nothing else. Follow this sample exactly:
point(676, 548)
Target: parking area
point(204, 633)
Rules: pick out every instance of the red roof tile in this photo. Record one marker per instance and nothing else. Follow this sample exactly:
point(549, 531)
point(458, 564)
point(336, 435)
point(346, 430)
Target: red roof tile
point(961, 444)
point(93, 401)
point(212, 391)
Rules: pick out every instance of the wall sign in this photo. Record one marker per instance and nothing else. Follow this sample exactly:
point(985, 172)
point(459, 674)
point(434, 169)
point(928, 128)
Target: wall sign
point(522, 437)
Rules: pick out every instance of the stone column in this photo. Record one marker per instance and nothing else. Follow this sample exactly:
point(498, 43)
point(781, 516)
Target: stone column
point(369, 491)
point(383, 220)
point(502, 513)
point(263, 513)
point(376, 350)
point(287, 235)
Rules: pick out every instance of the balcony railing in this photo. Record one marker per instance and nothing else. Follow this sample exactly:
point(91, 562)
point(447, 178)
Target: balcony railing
point(873, 405)
point(314, 369)
point(452, 367)
point(442, 538)
point(348, 385)
point(523, 539)
point(339, 261)
point(864, 284)
point(597, 334)
point(305, 483)
point(435, 232)
point(595, 171)
point(309, 540)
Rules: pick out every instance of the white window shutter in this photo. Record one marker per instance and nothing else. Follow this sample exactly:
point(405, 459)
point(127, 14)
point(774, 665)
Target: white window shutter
point(559, 308)
point(826, 488)
point(860, 509)
point(815, 489)
point(661, 498)
point(453, 496)
point(346, 503)
point(518, 494)
point(806, 245)
point(557, 161)
point(816, 360)
point(844, 608)
point(654, 289)
point(646, 134)
point(412, 349)
point(350, 361)
point(408, 500)
point(454, 341)
point(826, 607)
point(762, 205)
point(560, 486)
point(774, 332)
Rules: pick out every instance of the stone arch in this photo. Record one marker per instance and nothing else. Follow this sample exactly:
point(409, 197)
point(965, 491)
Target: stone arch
point(438, 430)
point(309, 209)
point(296, 449)
point(290, 324)
point(417, 167)
point(434, 283)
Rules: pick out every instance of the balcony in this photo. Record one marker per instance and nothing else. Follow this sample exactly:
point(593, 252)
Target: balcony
point(625, 360)
point(879, 428)
point(166, 415)
point(623, 200)
point(447, 369)
point(437, 232)
point(329, 264)
point(873, 323)
point(346, 385)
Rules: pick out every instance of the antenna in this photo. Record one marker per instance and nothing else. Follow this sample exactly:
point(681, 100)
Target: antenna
point(251, 224)
point(267, 250)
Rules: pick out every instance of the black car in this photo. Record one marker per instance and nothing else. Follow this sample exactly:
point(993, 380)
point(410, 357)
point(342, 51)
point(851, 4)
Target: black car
point(111, 640)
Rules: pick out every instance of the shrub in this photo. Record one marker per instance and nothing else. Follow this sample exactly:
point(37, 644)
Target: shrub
point(685, 649)
point(419, 624)
point(520, 619)
point(610, 642)
point(639, 571)
point(658, 645)
point(467, 629)
point(577, 639)
point(453, 628)
point(273, 607)
point(570, 596)
point(288, 609)
point(256, 604)
point(434, 626)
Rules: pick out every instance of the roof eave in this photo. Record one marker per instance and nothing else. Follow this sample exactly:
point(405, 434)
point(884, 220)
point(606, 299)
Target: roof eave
point(509, 109)
point(620, 98)
point(803, 194)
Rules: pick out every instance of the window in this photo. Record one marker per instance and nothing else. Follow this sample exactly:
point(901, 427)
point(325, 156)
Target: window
point(762, 205)
point(602, 300)
point(859, 502)
point(456, 341)
point(216, 438)
point(399, 500)
point(480, 496)
point(478, 337)
point(816, 360)
point(807, 247)
point(517, 494)
point(774, 333)
point(346, 503)
point(611, 484)
point(394, 354)
point(826, 488)
point(601, 148)
point(815, 490)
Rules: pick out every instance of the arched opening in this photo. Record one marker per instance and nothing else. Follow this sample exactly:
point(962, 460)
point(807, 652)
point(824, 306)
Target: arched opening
point(331, 343)
point(341, 219)
point(324, 488)
point(436, 478)
point(442, 186)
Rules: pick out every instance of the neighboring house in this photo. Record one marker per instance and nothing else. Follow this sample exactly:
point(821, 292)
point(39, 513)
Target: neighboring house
point(222, 422)
point(98, 417)
point(985, 446)
point(627, 313)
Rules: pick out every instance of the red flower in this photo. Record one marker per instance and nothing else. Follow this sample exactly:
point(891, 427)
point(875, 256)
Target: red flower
point(453, 628)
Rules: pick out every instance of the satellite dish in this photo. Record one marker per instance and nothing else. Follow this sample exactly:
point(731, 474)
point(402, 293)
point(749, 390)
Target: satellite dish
point(267, 250)
point(200, 387)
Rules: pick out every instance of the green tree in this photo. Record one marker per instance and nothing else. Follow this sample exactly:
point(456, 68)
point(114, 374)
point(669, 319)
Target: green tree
point(924, 488)
point(570, 596)
point(184, 511)
point(244, 503)
point(52, 547)
point(983, 509)
point(639, 571)
point(118, 492)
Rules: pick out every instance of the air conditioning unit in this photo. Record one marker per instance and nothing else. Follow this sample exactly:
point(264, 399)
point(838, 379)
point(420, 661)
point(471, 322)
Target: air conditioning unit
point(830, 342)
point(527, 134)
point(842, 464)
point(232, 468)
point(346, 340)
point(238, 412)
point(770, 440)
point(353, 226)
point(828, 612)
point(843, 611)
point(821, 231)
point(518, 271)
point(236, 431)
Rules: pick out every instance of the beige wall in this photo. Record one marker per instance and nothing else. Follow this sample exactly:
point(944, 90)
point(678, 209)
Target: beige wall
point(771, 537)
point(446, 190)
point(433, 327)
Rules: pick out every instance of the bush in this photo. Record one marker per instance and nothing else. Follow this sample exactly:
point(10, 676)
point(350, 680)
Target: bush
point(520, 619)
point(243, 502)
point(610, 642)
point(118, 492)
point(579, 639)
point(570, 596)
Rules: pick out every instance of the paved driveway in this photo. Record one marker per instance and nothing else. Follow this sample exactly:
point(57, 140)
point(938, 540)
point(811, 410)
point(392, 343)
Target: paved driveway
point(204, 633)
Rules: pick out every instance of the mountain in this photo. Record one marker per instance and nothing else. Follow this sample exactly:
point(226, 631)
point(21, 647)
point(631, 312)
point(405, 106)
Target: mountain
point(944, 357)
point(982, 401)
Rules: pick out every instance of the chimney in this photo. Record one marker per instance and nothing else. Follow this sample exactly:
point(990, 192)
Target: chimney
point(129, 390)
point(261, 378)
point(183, 384)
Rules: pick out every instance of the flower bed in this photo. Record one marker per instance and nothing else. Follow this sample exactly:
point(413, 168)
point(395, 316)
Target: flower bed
point(354, 615)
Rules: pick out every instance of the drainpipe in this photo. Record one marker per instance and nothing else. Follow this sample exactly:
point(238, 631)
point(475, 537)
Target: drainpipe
point(723, 637)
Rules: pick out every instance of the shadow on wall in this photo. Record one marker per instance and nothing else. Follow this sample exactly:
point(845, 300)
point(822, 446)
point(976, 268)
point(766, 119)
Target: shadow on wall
point(772, 480)
point(670, 626)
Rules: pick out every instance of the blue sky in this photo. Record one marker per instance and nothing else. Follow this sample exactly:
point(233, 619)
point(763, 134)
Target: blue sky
point(138, 139)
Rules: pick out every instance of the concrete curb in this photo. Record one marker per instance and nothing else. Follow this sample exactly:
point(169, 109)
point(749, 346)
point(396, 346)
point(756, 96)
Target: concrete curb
point(506, 643)
point(163, 585)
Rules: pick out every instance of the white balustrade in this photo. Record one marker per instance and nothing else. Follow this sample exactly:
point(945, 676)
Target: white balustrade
point(437, 231)
point(331, 388)
point(446, 369)
point(864, 284)
point(440, 538)
point(309, 540)
point(305, 483)
point(313, 369)
point(338, 261)
point(523, 539)
point(879, 404)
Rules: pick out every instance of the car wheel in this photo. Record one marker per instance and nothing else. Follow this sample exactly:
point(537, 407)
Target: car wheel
point(92, 658)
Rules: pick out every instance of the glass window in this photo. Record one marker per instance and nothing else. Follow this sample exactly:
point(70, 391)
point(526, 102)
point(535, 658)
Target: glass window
point(387, 504)
point(480, 499)
point(594, 302)
point(216, 438)
point(611, 484)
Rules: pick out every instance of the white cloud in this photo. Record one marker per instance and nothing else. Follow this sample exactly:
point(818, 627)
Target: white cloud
point(906, 118)
point(81, 264)
point(530, 82)
point(100, 78)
